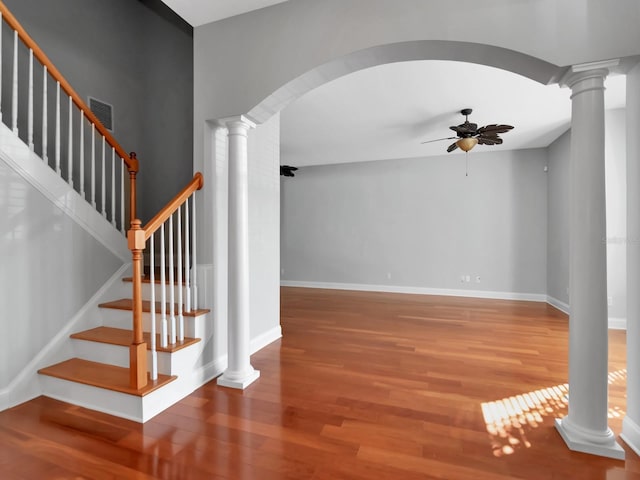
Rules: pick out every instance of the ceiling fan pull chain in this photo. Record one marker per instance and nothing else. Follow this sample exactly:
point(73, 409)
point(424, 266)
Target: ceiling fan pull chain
point(466, 157)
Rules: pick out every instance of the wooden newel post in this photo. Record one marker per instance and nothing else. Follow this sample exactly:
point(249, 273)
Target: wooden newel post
point(133, 171)
point(138, 349)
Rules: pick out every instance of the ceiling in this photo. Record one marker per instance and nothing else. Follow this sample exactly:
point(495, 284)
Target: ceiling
point(200, 12)
point(385, 112)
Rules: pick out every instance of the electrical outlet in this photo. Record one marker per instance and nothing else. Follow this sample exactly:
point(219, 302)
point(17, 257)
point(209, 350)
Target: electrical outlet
point(610, 301)
point(477, 278)
point(467, 278)
point(389, 275)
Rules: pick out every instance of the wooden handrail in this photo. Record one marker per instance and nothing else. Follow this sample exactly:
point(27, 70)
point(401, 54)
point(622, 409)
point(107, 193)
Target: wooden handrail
point(164, 214)
point(131, 162)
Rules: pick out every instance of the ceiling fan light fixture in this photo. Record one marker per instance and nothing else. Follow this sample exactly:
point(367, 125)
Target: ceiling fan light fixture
point(466, 144)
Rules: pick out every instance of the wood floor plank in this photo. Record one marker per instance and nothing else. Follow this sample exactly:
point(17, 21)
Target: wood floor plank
point(361, 386)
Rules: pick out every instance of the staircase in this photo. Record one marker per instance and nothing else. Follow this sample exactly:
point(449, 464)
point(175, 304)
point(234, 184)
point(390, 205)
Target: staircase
point(144, 349)
point(98, 376)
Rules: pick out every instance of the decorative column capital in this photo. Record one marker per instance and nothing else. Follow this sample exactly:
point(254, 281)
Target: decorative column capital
point(594, 72)
point(237, 125)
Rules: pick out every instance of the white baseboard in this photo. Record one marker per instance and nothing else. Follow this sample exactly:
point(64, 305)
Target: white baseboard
point(264, 339)
point(25, 385)
point(616, 323)
point(631, 434)
point(531, 297)
point(559, 304)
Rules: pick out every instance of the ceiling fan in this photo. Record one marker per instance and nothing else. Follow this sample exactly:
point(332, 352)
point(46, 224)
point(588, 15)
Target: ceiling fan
point(287, 170)
point(469, 135)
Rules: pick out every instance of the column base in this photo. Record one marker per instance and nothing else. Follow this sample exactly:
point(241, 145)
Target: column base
point(585, 442)
point(631, 434)
point(232, 380)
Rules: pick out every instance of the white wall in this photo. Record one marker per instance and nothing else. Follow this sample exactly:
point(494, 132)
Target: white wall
point(420, 223)
point(558, 221)
point(50, 268)
point(558, 217)
point(616, 195)
point(264, 230)
point(242, 60)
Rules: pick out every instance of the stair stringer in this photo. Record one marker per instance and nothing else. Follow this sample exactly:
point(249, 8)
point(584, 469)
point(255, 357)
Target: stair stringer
point(15, 153)
point(27, 384)
point(190, 365)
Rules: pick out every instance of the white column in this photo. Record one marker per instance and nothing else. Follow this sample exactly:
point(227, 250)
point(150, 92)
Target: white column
point(631, 422)
point(585, 428)
point(239, 373)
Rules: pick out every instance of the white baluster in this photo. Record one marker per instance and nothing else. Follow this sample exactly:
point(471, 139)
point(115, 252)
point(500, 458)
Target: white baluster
point(113, 186)
point(58, 169)
point(45, 129)
point(70, 142)
point(172, 286)
point(14, 97)
point(180, 285)
point(187, 249)
point(163, 291)
point(194, 273)
point(152, 342)
point(82, 155)
point(103, 182)
point(122, 227)
point(30, 103)
point(93, 165)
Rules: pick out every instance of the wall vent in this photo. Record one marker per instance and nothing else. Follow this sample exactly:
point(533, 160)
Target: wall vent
point(103, 111)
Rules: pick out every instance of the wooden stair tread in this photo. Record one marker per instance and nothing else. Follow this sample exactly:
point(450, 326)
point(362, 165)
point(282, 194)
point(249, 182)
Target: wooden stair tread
point(102, 375)
point(127, 304)
point(122, 337)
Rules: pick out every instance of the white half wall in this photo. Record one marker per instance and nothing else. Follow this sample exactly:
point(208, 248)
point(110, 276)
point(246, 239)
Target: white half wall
point(51, 267)
point(264, 226)
point(420, 223)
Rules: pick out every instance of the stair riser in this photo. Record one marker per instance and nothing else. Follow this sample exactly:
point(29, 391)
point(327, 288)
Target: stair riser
point(107, 401)
point(194, 327)
point(176, 363)
point(146, 292)
point(139, 409)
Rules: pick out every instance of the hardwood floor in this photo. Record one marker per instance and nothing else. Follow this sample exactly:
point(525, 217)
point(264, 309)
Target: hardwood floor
point(362, 386)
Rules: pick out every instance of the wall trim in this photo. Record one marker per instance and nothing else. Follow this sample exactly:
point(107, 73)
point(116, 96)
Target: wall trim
point(264, 339)
point(16, 154)
point(559, 304)
point(8, 397)
point(531, 297)
point(616, 323)
point(613, 322)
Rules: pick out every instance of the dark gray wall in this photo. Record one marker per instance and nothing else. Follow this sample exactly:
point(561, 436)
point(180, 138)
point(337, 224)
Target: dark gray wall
point(137, 56)
point(420, 223)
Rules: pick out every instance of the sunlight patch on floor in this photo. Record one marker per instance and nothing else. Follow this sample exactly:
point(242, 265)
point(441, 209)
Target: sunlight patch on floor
point(508, 420)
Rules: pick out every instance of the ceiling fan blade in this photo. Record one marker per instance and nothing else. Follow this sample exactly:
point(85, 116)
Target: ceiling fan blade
point(489, 140)
point(452, 147)
point(494, 128)
point(438, 140)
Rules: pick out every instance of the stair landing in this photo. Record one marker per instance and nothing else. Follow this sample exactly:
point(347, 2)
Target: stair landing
point(102, 375)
